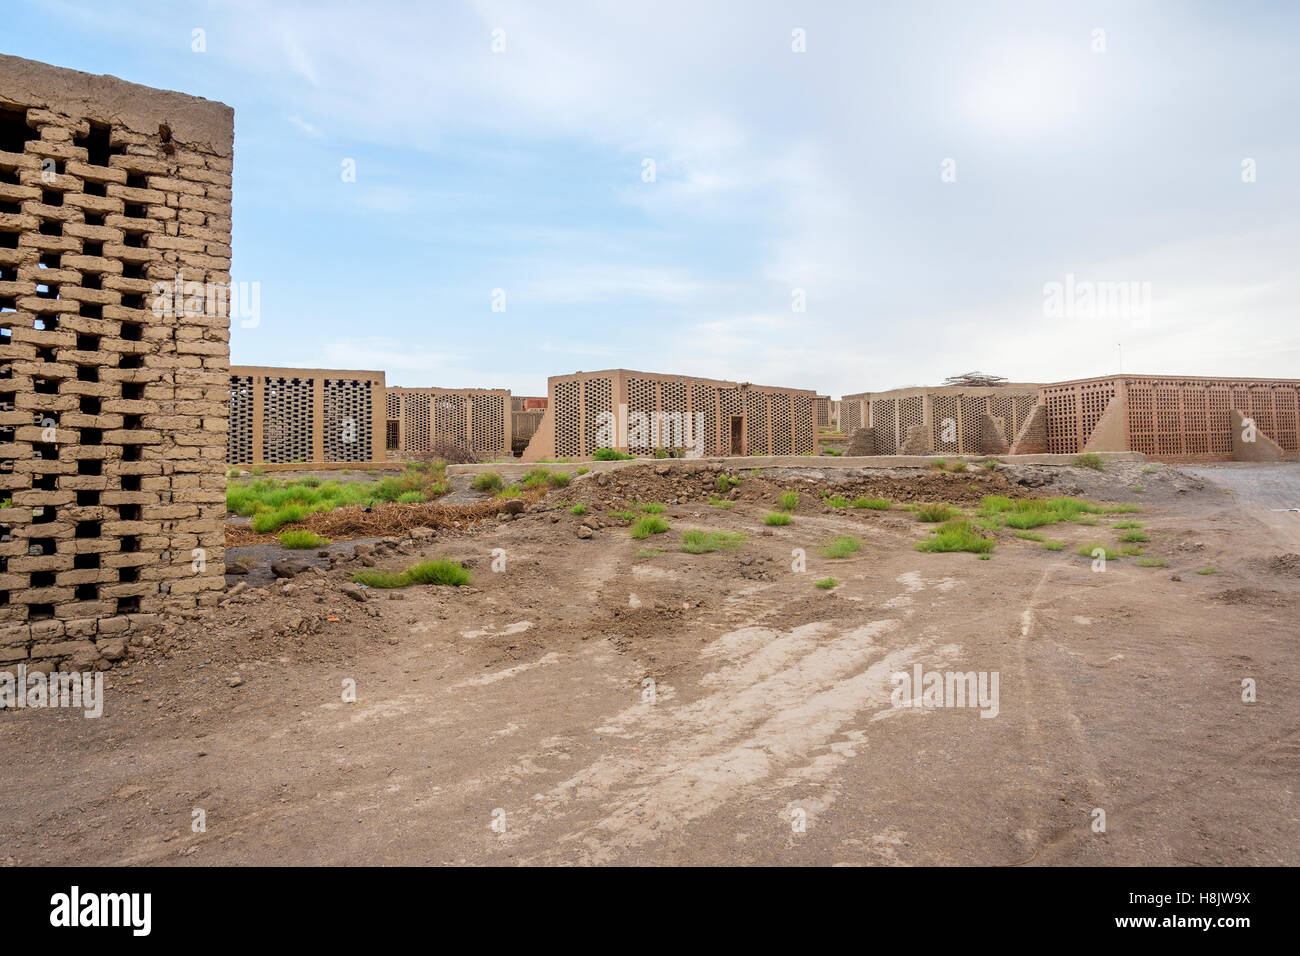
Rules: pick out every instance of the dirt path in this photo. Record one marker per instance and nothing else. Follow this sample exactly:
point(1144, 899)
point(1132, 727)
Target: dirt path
point(676, 708)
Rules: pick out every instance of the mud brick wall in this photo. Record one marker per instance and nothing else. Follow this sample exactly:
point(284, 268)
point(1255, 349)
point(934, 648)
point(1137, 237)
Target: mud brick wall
point(772, 420)
point(475, 419)
point(304, 416)
point(898, 415)
point(1173, 418)
point(112, 418)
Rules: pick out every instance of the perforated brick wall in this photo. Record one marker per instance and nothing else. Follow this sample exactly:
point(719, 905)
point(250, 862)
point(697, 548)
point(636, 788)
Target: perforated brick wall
point(286, 416)
point(942, 420)
point(1173, 418)
point(771, 418)
point(113, 414)
point(477, 420)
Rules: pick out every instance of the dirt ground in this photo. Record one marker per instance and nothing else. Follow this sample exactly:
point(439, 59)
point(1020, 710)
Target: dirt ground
point(598, 699)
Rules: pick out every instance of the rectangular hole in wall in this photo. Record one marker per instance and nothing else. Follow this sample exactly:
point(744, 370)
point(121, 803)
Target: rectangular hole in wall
point(128, 575)
point(40, 612)
point(128, 605)
point(128, 512)
point(85, 562)
point(130, 543)
point(130, 482)
point(90, 466)
point(86, 592)
point(87, 373)
point(87, 499)
point(97, 143)
point(87, 529)
point(14, 131)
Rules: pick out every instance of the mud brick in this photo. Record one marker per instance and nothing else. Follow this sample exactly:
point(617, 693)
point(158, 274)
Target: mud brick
point(112, 423)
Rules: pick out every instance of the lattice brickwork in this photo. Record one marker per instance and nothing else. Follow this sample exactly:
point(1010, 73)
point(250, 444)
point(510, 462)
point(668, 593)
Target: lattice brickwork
point(597, 399)
point(239, 440)
point(566, 401)
point(476, 420)
point(287, 420)
point(349, 427)
point(113, 403)
point(801, 419)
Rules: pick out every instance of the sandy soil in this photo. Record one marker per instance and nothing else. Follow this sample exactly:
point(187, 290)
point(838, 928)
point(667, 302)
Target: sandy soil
point(524, 700)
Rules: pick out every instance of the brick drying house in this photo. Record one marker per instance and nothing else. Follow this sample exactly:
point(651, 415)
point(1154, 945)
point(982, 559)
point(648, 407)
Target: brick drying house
point(1174, 418)
point(476, 421)
point(642, 412)
point(951, 419)
point(321, 417)
point(113, 404)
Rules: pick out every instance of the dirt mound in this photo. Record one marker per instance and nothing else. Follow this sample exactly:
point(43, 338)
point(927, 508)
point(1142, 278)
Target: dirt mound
point(1288, 564)
point(1256, 596)
point(667, 484)
point(389, 519)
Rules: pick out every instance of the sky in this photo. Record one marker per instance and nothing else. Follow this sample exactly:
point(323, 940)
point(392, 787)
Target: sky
point(846, 196)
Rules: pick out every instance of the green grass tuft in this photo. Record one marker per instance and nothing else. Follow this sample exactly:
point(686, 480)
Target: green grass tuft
point(934, 513)
point(838, 501)
point(487, 481)
point(1134, 536)
point(875, 504)
point(301, 539)
point(1054, 545)
point(1151, 562)
point(841, 547)
point(440, 571)
point(610, 454)
point(647, 525)
point(726, 482)
point(721, 503)
point(957, 534)
point(777, 518)
point(652, 508)
point(826, 584)
point(1208, 570)
point(789, 500)
point(1089, 459)
point(578, 509)
point(1088, 547)
point(1030, 536)
point(702, 542)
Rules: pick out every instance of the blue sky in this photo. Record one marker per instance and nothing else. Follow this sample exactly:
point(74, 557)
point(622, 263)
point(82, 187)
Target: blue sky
point(775, 171)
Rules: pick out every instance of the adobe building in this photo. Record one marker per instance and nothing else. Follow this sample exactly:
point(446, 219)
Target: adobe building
point(477, 420)
point(321, 417)
point(641, 413)
point(113, 390)
point(525, 415)
point(1174, 418)
point(951, 419)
